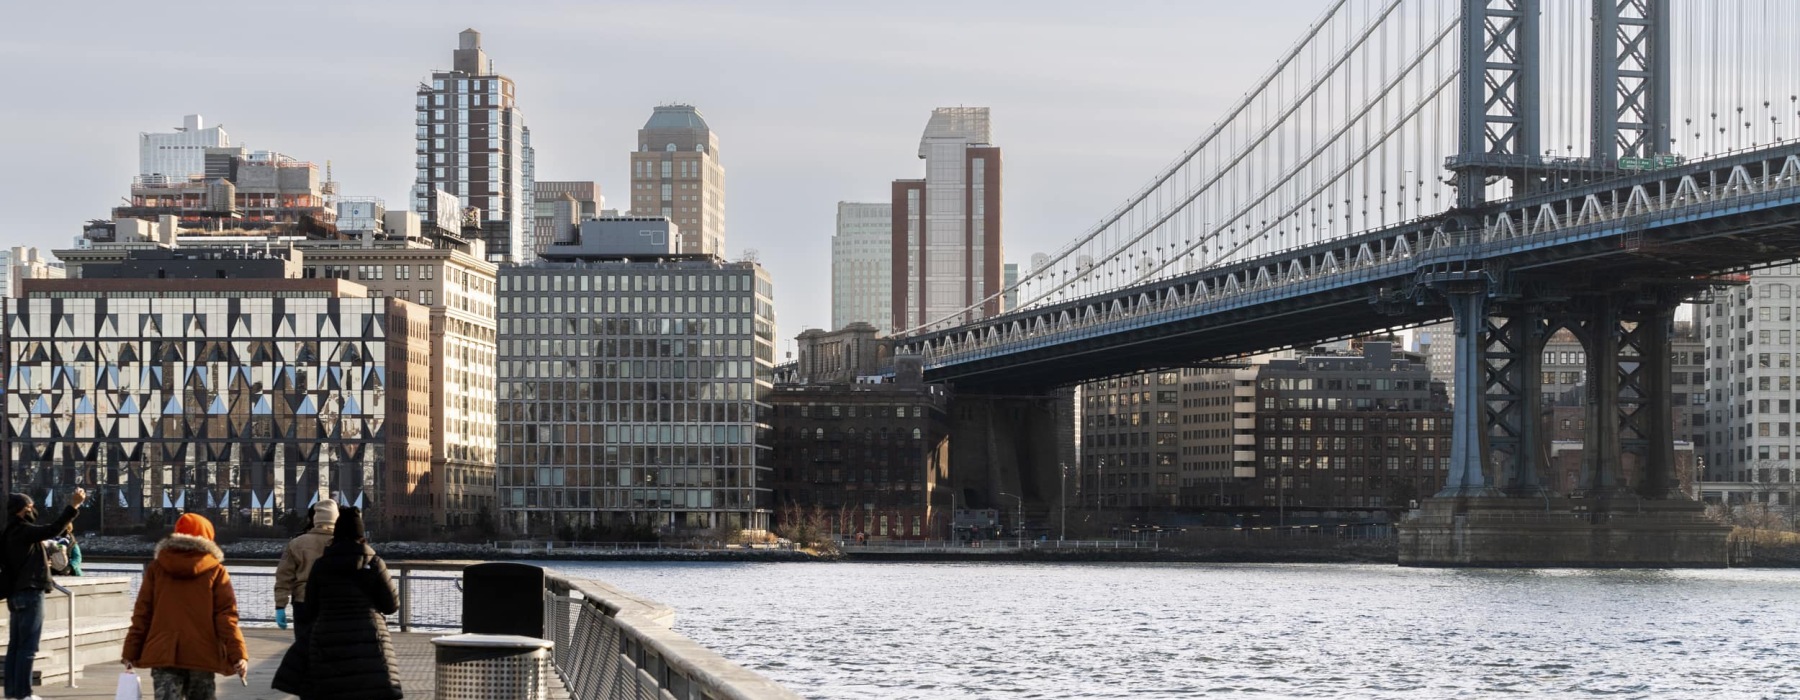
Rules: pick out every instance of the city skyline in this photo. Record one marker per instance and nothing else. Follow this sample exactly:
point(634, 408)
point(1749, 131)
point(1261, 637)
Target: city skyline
point(1064, 173)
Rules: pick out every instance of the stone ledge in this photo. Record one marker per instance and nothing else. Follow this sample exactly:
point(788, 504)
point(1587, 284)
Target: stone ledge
point(1560, 532)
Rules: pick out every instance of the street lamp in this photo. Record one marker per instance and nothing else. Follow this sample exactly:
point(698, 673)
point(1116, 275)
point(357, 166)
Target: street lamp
point(1018, 522)
point(1062, 497)
point(1102, 488)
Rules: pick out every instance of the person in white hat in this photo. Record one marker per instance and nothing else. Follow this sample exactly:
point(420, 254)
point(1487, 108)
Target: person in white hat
point(296, 565)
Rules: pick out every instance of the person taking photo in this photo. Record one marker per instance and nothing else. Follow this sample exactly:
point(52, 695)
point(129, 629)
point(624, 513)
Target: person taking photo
point(25, 579)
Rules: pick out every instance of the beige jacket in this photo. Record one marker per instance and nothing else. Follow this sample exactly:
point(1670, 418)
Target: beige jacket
point(296, 563)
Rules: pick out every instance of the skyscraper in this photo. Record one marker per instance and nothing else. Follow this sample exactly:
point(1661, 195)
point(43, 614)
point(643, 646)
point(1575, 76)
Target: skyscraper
point(175, 156)
point(676, 174)
point(862, 260)
point(946, 227)
point(472, 143)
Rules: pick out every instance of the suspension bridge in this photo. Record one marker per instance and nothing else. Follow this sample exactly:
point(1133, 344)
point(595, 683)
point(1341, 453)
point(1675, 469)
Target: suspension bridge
point(1518, 166)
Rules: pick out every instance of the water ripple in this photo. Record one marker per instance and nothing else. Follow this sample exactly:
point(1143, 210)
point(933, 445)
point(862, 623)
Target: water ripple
point(839, 631)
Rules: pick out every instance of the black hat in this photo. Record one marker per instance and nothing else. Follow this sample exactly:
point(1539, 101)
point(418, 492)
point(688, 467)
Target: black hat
point(349, 526)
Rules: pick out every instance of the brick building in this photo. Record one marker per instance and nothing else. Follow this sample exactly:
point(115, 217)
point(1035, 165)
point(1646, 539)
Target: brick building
point(869, 456)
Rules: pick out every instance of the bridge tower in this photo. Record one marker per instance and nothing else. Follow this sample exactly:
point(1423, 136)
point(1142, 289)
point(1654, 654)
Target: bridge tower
point(1497, 507)
point(1631, 117)
point(1500, 123)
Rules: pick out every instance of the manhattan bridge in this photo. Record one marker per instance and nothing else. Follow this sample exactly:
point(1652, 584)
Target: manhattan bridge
point(1518, 166)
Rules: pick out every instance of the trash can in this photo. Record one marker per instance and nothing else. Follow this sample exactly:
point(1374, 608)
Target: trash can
point(503, 598)
point(492, 667)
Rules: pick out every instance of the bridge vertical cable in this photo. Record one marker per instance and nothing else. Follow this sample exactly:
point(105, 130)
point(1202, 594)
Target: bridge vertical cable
point(1344, 134)
point(1355, 128)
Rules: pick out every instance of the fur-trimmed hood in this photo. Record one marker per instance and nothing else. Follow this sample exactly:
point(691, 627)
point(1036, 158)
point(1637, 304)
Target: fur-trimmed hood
point(187, 556)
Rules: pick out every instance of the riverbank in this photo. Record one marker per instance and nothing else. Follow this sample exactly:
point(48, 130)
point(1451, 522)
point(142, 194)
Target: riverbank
point(1345, 552)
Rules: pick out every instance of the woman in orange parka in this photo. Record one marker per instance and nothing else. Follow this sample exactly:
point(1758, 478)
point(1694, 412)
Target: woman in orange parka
point(184, 627)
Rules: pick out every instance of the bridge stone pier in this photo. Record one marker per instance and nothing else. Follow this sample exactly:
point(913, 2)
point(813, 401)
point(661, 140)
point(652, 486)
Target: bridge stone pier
point(1501, 506)
point(1006, 444)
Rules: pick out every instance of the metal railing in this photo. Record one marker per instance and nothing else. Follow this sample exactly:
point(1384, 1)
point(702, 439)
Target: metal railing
point(848, 546)
point(70, 641)
point(610, 644)
point(430, 594)
point(537, 546)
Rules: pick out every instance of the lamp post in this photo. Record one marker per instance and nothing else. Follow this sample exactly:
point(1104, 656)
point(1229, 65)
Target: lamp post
point(1280, 495)
point(1102, 488)
point(1062, 496)
point(1019, 521)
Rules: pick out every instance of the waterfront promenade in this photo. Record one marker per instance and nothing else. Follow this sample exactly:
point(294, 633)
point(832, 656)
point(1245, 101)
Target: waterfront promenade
point(267, 644)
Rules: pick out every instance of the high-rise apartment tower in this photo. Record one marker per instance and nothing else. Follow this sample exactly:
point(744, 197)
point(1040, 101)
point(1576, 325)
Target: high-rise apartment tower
point(472, 143)
point(946, 227)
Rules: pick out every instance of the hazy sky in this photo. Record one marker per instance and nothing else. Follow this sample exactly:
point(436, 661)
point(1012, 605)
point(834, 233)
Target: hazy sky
point(813, 102)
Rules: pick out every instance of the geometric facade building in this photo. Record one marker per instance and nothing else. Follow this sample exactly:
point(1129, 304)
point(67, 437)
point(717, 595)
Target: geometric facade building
point(239, 399)
point(454, 289)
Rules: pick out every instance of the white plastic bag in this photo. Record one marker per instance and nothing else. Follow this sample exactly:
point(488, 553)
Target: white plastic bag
point(128, 687)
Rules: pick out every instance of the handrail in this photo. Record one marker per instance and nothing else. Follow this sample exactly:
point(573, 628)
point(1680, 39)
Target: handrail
point(71, 633)
point(612, 644)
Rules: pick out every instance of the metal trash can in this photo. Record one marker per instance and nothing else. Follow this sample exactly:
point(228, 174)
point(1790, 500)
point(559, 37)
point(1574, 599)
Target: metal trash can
point(493, 667)
point(503, 598)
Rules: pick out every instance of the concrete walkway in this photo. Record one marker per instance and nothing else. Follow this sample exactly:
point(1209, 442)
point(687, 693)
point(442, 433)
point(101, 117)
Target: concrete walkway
point(417, 667)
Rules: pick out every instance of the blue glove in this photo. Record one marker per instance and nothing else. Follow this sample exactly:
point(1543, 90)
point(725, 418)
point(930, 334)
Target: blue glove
point(281, 618)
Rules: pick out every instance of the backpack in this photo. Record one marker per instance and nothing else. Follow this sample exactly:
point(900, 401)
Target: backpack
point(58, 549)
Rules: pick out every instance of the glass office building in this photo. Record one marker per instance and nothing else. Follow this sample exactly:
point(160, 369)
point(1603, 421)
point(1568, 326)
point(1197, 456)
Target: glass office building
point(631, 394)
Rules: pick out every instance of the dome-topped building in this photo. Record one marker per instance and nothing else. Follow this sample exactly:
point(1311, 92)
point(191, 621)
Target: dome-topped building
point(676, 173)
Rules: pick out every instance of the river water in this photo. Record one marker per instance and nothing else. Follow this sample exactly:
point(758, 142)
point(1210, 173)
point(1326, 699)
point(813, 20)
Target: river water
point(937, 630)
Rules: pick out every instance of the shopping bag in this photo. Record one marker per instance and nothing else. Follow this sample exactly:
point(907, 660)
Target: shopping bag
point(128, 687)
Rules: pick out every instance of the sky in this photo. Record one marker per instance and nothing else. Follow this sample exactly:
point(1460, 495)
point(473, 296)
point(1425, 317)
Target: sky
point(813, 102)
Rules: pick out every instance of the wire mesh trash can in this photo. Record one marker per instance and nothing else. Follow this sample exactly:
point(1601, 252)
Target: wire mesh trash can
point(492, 667)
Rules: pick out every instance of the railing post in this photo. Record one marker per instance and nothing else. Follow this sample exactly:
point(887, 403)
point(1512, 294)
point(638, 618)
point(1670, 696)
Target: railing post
point(71, 659)
point(405, 599)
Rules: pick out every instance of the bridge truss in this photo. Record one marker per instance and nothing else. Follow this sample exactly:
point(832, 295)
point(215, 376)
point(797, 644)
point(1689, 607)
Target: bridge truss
point(1407, 161)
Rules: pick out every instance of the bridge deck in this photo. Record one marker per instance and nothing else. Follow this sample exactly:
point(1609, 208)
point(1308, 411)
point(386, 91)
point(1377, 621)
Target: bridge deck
point(417, 669)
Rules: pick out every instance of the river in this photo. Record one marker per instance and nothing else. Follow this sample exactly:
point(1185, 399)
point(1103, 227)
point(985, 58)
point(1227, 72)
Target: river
point(937, 630)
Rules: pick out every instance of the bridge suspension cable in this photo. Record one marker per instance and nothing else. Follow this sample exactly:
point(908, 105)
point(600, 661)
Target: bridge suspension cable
point(1351, 129)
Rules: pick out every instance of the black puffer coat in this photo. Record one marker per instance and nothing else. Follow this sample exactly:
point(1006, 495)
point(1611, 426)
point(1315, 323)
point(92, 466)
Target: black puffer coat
point(350, 656)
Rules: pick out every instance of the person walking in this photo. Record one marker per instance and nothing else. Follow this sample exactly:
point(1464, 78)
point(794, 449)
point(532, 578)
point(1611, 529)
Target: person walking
point(346, 654)
point(184, 627)
point(25, 581)
point(297, 562)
